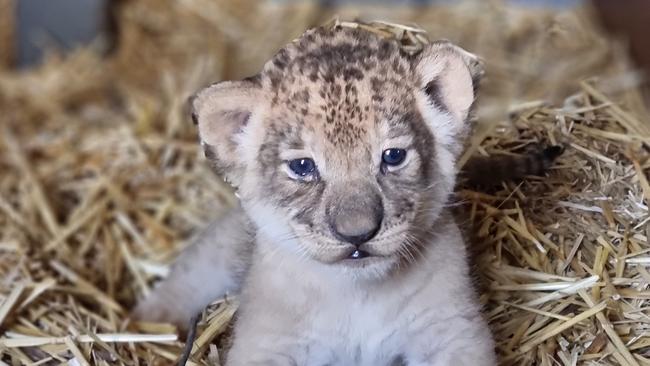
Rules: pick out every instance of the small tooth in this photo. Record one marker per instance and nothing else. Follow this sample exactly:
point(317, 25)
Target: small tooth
point(356, 254)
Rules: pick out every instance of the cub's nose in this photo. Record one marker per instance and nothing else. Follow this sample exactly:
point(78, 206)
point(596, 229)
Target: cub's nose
point(357, 219)
point(358, 235)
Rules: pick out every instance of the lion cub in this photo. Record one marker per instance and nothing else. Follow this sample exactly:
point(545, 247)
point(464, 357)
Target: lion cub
point(343, 150)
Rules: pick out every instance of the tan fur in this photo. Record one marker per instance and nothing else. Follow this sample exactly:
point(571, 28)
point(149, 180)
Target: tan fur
point(227, 243)
point(341, 98)
point(221, 254)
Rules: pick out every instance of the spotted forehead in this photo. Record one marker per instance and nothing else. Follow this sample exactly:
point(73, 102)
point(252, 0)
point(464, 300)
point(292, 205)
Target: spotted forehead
point(341, 81)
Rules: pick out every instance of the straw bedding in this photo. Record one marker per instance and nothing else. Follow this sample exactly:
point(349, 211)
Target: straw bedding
point(103, 183)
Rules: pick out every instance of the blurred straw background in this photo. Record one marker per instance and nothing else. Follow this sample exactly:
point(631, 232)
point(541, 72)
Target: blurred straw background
point(102, 182)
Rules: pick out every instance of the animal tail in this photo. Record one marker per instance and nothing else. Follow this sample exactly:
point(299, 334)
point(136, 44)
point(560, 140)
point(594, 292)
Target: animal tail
point(488, 172)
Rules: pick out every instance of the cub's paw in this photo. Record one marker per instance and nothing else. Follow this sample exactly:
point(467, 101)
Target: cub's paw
point(158, 308)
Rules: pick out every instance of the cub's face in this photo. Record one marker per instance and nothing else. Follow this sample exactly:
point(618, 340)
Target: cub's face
point(343, 147)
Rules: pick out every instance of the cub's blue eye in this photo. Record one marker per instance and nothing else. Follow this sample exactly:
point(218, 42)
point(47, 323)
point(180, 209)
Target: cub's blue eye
point(302, 167)
point(393, 157)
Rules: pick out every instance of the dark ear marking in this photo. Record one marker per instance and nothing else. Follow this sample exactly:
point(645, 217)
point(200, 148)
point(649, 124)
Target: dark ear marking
point(243, 116)
point(476, 81)
point(432, 90)
point(190, 104)
point(255, 80)
point(446, 74)
point(209, 152)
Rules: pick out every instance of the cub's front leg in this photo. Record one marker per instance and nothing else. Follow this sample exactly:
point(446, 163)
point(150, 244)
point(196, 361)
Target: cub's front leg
point(261, 347)
point(462, 342)
point(209, 269)
point(260, 340)
point(273, 330)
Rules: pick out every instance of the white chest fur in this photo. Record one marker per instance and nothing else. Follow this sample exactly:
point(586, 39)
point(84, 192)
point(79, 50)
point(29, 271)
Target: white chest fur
point(296, 314)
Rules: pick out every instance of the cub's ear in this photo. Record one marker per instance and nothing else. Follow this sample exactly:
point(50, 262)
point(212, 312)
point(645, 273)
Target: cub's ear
point(222, 112)
point(449, 77)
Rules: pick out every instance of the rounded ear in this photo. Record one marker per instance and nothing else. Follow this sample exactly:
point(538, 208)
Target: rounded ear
point(449, 77)
point(222, 112)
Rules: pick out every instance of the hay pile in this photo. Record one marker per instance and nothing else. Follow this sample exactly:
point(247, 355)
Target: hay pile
point(103, 183)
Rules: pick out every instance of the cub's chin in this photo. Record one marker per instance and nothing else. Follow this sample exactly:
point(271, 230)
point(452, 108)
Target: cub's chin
point(361, 265)
point(371, 268)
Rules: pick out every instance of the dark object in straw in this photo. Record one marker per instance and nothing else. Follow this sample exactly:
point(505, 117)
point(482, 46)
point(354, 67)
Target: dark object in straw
point(189, 340)
point(488, 172)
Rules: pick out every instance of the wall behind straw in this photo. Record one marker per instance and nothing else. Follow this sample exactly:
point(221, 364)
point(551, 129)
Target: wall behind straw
point(6, 33)
point(67, 24)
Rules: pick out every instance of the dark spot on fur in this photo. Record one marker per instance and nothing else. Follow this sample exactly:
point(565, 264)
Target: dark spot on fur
point(385, 50)
point(352, 73)
point(303, 97)
point(376, 84)
point(336, 92)
point(398, 68)
point(275, 80)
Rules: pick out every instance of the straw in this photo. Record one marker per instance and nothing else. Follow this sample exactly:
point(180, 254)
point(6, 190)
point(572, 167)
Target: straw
point(103, 182)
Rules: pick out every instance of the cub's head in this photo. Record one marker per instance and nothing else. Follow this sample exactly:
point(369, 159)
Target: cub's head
point(343, 147)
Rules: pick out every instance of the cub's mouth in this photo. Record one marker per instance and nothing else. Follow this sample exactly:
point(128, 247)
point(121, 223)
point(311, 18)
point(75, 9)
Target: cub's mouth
point(382, 249)
point(360, 258)
point(358, 254)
